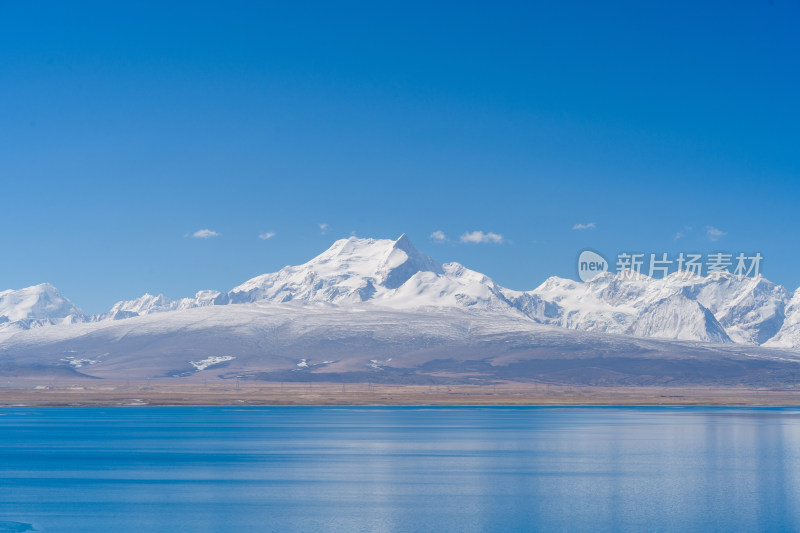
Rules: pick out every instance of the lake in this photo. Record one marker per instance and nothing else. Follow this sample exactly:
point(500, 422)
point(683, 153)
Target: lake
point(199, 469)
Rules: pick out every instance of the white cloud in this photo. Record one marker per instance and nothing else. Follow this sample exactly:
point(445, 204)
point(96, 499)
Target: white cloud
point(682, 233)
point(481, 237)
point(714, 234)
point(205, 234)
point(590, 225)
point(323, 228)
point(438, 236)
point(267, 235)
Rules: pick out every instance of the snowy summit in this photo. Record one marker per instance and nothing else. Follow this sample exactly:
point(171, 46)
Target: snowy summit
point(393, 274)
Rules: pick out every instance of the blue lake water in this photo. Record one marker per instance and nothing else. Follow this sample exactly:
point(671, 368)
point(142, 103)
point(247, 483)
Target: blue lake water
point(199, 469)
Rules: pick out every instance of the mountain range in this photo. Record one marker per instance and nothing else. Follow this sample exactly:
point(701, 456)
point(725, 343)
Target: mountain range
point(380, 299)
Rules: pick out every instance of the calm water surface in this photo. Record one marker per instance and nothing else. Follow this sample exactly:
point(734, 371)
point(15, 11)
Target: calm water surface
point(201, 469)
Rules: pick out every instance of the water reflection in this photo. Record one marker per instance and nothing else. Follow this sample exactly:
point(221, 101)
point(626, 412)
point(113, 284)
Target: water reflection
point(400, 469)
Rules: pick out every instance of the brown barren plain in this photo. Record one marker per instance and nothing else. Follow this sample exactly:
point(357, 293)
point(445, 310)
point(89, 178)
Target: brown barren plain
point(152, 393)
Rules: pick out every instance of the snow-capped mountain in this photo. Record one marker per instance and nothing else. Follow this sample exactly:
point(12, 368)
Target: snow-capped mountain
point(788, 336)
point(750, 309)
point(390, 273)
point(744, 310)
point(352, 270)
point(393, 274)
point(140, 306)
point(36, 306)
point(148, 304)
point(678, 317)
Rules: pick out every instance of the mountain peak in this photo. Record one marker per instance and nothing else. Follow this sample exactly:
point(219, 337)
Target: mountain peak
point(351, 270)
point(144, 305)
point(42, 301)
point(403, 242)
point(403, 261)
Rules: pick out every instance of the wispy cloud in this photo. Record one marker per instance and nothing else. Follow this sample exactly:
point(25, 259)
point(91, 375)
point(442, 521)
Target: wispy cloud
point(438, 236)
point(714, 234)
point(683, 233)
point(266, 236)
point(205, 234)
point(481, 237)
point(323, 228)
point(589, 225)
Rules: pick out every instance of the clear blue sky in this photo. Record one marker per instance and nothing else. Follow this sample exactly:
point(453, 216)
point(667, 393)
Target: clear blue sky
point(126, 126)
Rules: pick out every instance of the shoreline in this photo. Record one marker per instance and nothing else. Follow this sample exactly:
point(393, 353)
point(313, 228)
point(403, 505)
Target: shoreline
point(367, 394)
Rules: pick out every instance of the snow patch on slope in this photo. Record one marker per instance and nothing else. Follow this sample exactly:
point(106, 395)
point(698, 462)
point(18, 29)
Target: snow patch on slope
point(211, 361)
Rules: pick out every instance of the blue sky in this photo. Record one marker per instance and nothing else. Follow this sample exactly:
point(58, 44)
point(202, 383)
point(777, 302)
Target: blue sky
point(124, 128)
